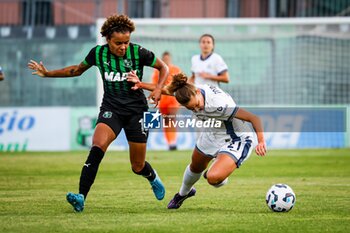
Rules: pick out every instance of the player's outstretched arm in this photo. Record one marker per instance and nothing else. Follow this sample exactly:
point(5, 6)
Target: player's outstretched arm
point(242, 114)
point(163, 74)
point(132, 77)
point(70, 71)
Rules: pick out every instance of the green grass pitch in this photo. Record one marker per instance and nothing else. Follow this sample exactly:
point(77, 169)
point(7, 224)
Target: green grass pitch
point(33, 188)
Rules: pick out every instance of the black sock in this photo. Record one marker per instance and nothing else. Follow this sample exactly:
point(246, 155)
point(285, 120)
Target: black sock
point(89, 171)
point(147, 172)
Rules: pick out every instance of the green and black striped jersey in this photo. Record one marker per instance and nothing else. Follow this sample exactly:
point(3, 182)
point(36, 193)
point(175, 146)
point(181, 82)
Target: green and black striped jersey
point(118, 95)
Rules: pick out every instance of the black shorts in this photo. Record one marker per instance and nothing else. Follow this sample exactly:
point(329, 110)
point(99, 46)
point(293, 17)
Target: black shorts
point(131, 124)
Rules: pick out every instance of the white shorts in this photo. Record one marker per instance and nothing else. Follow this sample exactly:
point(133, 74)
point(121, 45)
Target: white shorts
point(211, 144)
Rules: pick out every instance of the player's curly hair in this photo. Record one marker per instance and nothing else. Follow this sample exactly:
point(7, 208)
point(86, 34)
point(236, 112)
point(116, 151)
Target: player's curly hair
point(117, 23)
point(182, 90)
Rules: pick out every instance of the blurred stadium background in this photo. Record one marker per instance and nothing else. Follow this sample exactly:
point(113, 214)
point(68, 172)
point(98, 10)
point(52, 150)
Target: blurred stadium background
point(290, 54)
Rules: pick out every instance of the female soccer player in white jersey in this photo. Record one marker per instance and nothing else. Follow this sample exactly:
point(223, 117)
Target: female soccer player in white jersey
point(230, 145)
point(208, 67)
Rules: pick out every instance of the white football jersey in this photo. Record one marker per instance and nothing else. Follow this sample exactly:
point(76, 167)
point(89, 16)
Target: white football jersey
point(220, 106)
point(213, 64)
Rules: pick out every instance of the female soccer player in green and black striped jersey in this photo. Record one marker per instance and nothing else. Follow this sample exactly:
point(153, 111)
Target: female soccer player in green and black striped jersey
point(121, 108)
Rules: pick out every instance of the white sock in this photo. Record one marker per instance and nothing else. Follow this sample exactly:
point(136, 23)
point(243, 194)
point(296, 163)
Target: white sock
point(190, 178)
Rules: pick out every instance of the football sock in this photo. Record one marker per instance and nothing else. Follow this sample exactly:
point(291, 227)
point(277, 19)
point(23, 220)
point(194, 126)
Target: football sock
point(147, 172)
point(190, 178)
point(89, 171)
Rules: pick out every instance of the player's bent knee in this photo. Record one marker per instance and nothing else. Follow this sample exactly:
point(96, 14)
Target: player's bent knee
point(214, 179)
point(137, 167)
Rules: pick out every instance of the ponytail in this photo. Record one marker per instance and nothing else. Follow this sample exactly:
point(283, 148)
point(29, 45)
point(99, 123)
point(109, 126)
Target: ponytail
point(182, 90)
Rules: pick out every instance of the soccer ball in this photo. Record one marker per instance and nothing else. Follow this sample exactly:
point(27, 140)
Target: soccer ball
point(280, 198)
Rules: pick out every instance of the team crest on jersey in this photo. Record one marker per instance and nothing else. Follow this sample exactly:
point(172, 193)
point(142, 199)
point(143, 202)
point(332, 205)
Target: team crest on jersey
point(128, 63)
point(107, 115)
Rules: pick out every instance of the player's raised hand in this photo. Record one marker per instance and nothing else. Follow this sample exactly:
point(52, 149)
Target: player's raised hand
point(132, 77)
point(39, 68)
point(260, 149)
point(155, 96)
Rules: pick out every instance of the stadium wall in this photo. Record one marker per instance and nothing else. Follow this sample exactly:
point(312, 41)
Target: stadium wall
point(66, 128)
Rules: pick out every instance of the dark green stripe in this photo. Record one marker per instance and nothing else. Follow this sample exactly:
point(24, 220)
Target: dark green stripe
point(137, 56)
point(118, 69)
point(104, 60)
point(123, 70)
point(101, 68)
point(97, 54)
point(114, 67)
point(108, 58)
point(130, 55)
point(121, 65)
point(137, 62)
point(106, 67)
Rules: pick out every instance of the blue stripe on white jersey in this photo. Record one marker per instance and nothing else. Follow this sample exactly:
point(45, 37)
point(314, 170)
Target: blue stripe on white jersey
point(230, 131)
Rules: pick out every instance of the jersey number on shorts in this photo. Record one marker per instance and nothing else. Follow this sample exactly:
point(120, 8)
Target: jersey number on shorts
point(234, 146)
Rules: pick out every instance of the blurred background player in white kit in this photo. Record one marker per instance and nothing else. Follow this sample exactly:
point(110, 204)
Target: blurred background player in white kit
point(208, 67)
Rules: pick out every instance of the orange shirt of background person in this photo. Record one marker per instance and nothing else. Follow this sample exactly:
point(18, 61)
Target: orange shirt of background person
point(168, 105)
